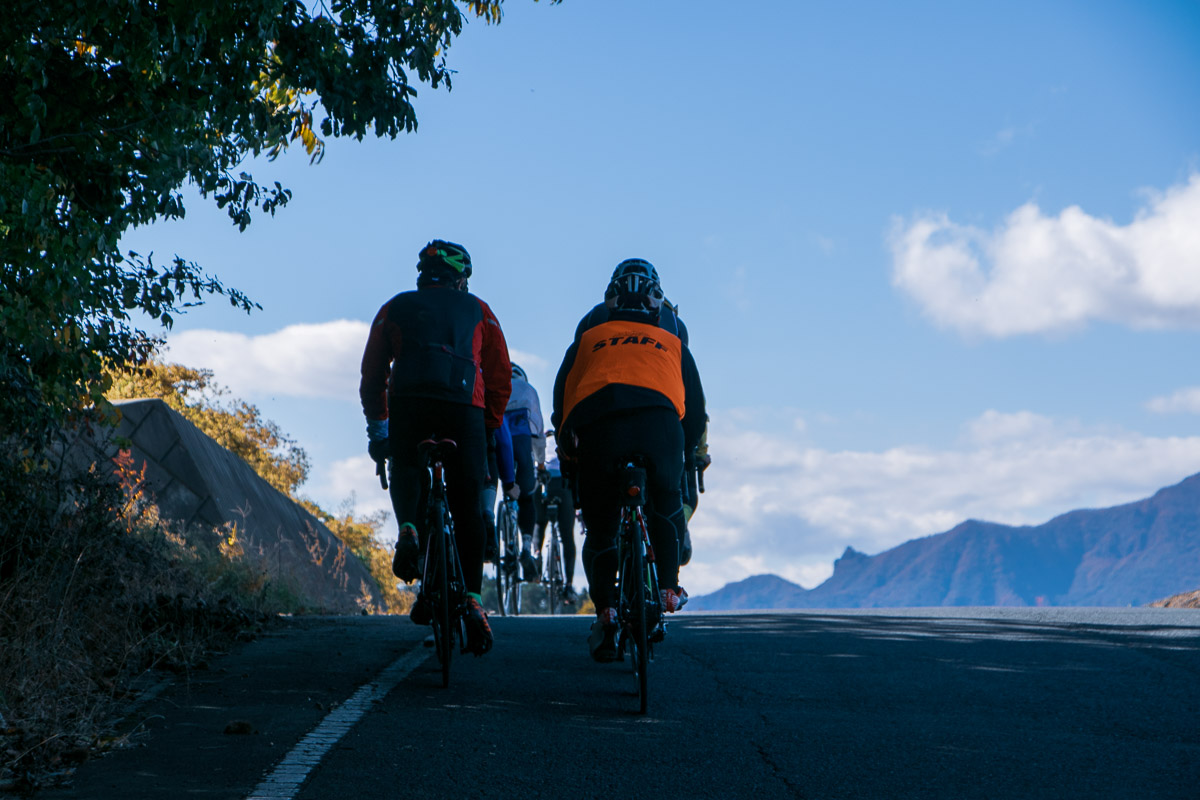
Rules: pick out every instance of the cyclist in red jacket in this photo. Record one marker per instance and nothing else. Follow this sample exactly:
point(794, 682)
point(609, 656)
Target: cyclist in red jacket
point(628, 387)
point(436, 364)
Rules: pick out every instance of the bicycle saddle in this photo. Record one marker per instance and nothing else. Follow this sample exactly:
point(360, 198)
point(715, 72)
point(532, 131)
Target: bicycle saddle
point(436, 449)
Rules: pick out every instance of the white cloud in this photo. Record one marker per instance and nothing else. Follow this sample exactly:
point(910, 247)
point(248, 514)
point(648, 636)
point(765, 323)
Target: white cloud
point(777, 504)
point(317, 360)
point(529, 362)
point(353, 481)
point(1185, 401)
point(320, 360)
point(1004, 138)
point(1037, 273)
point(993, 427)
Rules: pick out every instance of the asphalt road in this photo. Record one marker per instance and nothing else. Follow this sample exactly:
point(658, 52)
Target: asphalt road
point(927, 703)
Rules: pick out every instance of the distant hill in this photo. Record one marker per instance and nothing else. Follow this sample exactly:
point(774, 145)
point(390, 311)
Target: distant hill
point(1126, 555)
point(757, 591)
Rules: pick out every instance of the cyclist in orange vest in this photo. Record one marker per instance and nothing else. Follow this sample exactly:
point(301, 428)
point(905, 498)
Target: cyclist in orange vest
point(628, 387)
point(666, 317)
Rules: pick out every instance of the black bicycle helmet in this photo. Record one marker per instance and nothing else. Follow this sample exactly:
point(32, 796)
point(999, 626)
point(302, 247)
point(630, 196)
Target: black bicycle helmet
point(517, 372)
point(444, 259)
point(634, 285)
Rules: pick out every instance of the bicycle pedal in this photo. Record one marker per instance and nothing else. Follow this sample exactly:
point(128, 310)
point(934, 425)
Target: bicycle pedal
point(428, 641)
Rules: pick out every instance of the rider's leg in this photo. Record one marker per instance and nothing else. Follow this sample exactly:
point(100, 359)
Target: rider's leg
point(465, 475)
point(408, 481)
point(600, 555)
point(408, 485)
point(527, 481)
point(601, 514)
point(487, 507)
point(566, 526)
point(662, 441)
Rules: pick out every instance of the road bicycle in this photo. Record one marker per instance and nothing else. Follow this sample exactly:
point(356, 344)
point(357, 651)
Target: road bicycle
point(639, 609)
point(508, 566)
point(442, 582)
point(554, 573)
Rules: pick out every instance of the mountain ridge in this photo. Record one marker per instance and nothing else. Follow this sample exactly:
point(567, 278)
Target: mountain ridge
point(1130, 554)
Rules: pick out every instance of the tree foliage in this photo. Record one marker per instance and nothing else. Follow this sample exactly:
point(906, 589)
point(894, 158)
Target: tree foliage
point(236, 425)
point(110, 107)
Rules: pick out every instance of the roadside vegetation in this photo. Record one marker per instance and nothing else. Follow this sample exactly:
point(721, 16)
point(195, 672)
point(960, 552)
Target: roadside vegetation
point(114, 109)
point(100, 596)
point(96, 594)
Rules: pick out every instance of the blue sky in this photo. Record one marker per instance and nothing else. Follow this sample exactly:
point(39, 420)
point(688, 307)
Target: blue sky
point(938, 260)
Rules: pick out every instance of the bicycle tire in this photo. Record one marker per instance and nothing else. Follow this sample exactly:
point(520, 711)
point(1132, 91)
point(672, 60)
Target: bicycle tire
point(553, 588)
point(510, 562)
point(514, 595)
point(443, 611)
point(499, 577)
point(641, 657)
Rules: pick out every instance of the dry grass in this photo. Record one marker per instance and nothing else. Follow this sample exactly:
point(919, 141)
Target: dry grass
point(1185, 600)
point(96, 594)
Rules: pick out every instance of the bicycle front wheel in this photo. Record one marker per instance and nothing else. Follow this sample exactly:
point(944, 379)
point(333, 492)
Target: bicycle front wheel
point(510, 597)
point(500, 583)
point(554, 572)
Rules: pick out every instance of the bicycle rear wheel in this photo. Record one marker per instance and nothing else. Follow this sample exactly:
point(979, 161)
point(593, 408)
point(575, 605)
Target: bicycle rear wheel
point(641, 655)
point(443, 612)
point(554, 571)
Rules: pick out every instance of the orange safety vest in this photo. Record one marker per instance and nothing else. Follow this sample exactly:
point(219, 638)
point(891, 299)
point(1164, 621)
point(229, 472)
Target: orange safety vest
point(630, 353)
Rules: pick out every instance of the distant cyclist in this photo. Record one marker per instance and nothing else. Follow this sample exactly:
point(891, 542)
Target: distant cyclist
point(558, 490)
point(436, 365)
point(628, 387)
point(524, 417)
point(500, 470)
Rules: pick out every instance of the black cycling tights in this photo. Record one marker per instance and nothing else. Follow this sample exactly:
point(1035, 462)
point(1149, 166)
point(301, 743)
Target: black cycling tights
point(412, 420)
point(604, 446)
point(557, 489)
point(527, 480)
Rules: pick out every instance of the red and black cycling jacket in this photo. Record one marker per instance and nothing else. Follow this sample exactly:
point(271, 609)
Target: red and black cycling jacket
point(440, 343)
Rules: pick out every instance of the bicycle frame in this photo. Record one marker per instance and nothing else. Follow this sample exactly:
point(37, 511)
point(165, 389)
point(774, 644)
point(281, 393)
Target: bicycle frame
point(554, 575)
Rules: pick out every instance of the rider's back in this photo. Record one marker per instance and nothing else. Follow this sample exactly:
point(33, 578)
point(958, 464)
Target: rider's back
point(666, 319)
point(433, 332)
point(437, 343)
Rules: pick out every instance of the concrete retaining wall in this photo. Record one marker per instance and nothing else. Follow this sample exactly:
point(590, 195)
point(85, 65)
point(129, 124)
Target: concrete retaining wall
point(197, 482)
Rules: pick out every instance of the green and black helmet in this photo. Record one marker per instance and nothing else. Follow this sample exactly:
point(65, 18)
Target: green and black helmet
point(634, 285)
point(448, 258)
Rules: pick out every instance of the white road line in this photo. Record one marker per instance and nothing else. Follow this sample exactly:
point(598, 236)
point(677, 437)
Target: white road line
point(285, 780)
